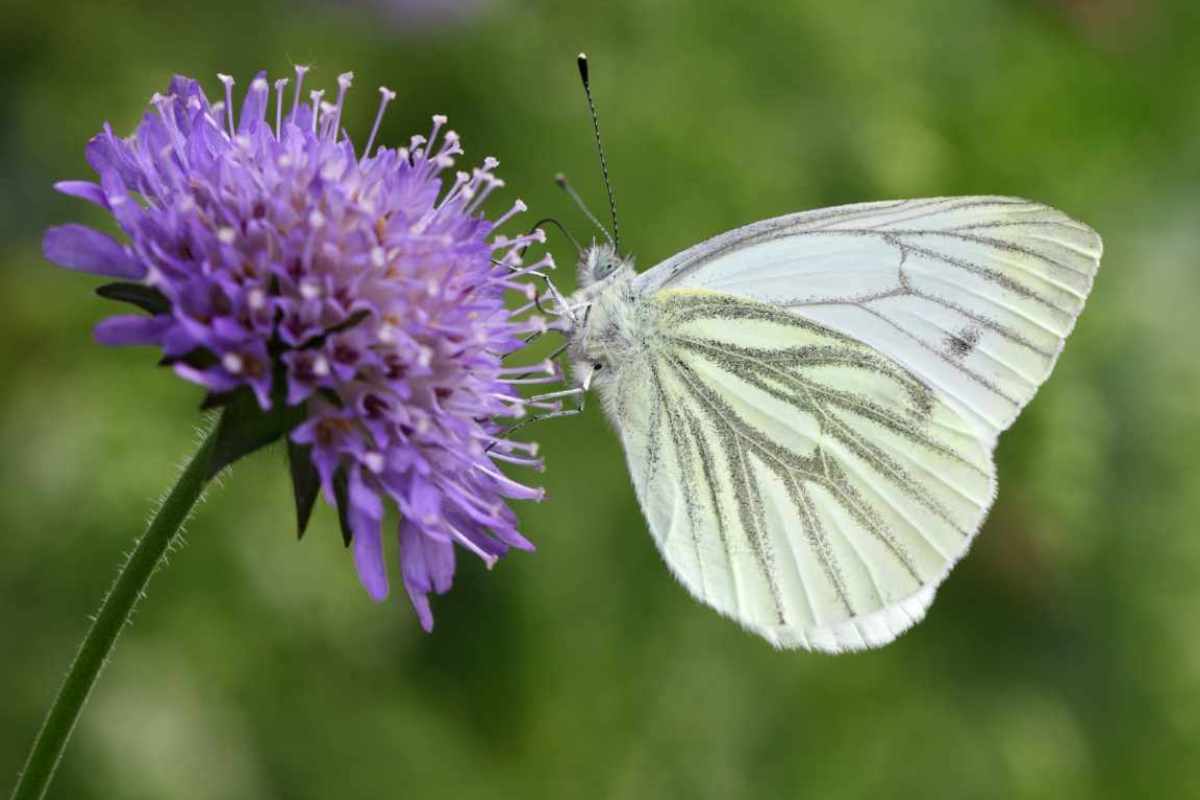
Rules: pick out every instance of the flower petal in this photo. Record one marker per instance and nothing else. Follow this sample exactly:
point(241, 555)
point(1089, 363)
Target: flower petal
point(127, 329)
point(85, 190)
point(255, 104)
point(365, 514)
point(88, 250)
point(105, 152)
point(427, 565)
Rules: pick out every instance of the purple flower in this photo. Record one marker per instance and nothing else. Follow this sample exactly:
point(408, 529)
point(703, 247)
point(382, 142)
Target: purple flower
point(272, 258)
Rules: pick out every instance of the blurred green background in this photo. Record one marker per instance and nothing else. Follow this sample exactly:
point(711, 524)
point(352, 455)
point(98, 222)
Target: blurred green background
point(1061, 659)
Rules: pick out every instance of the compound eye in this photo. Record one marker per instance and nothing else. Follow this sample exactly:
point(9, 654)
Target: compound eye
point(603, 269)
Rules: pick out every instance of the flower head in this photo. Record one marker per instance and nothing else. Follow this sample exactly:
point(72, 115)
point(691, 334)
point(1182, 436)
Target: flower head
point(364, 288)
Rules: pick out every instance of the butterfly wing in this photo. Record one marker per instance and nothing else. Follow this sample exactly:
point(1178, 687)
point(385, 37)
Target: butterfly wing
point(810, 432)
point(973, 295)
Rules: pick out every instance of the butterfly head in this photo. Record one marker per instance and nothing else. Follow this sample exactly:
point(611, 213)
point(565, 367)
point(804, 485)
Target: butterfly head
point(601, 264)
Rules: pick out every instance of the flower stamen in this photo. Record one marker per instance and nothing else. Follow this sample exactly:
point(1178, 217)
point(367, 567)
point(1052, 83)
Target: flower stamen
point(228, 81)
point(300, 72)
point(386, 96)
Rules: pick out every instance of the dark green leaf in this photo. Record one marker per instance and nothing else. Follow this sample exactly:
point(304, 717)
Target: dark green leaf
point(244, 427)
point(306, 483)
point(144, 297)
point(332, 397)
point(216, 400)
point(341, 493)
point(344, 325)
point(198, 358)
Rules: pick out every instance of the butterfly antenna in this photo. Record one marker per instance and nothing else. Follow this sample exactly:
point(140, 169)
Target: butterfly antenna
point(582, 62)
point(560, 227)
point(563, 184)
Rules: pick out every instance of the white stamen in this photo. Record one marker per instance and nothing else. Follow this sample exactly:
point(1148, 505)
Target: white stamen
point(256, 299)
point(414, 143)
point(309, 290)
point(386, 96)
point(279, 87)
point(226, 235)
point(315, 96)
point(438, 121)
point(228, 81)
point(517, 208)
point(232, 363)
point(299, 82)
point(531, 463)
point(344, 81)
point(316, 219)
point(378, 257)
point(320, 366)
point(374, 461)
point(488, 559)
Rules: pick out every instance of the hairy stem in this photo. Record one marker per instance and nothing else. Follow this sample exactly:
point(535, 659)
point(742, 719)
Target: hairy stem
point(114, 613)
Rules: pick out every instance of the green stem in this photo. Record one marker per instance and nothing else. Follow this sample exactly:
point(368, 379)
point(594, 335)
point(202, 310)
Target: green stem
point(115, 612)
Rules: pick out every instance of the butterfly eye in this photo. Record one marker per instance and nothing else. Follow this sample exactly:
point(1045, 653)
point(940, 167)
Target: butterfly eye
point(603, 269)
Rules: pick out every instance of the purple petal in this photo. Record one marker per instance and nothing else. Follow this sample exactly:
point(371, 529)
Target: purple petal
point(87, 250)
point(116, 198)
point(512, 537)
point(186, 90)
point(85, 190)
point(365, 514)
point(107, 152)
point(255, 104)
point(425, 501)
point(131, 329)
point(178, 341)
point(427, 565)
point(215, 380)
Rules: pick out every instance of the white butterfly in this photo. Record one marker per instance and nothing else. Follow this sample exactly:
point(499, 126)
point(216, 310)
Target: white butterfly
point(809, 404)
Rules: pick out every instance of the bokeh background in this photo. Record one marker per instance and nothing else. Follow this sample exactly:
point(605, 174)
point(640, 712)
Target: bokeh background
point(1061, 659)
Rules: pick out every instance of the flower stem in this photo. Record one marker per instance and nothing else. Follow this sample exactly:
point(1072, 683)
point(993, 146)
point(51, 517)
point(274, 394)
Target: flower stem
point(114, 613)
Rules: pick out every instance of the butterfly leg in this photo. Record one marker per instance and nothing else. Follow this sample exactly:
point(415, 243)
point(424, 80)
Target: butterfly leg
point(562, 412)
point(578, 392)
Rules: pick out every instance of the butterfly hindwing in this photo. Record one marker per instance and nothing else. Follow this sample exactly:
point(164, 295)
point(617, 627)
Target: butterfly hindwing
point(794, 478)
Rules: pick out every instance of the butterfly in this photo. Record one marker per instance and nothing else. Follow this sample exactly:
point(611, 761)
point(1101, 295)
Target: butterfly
point(809, 404)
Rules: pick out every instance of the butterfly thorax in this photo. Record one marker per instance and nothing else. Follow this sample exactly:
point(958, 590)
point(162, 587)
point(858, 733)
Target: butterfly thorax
point(608, 320)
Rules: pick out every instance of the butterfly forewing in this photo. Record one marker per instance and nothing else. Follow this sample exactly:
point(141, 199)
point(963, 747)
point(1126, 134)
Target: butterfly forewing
point(973, 295)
